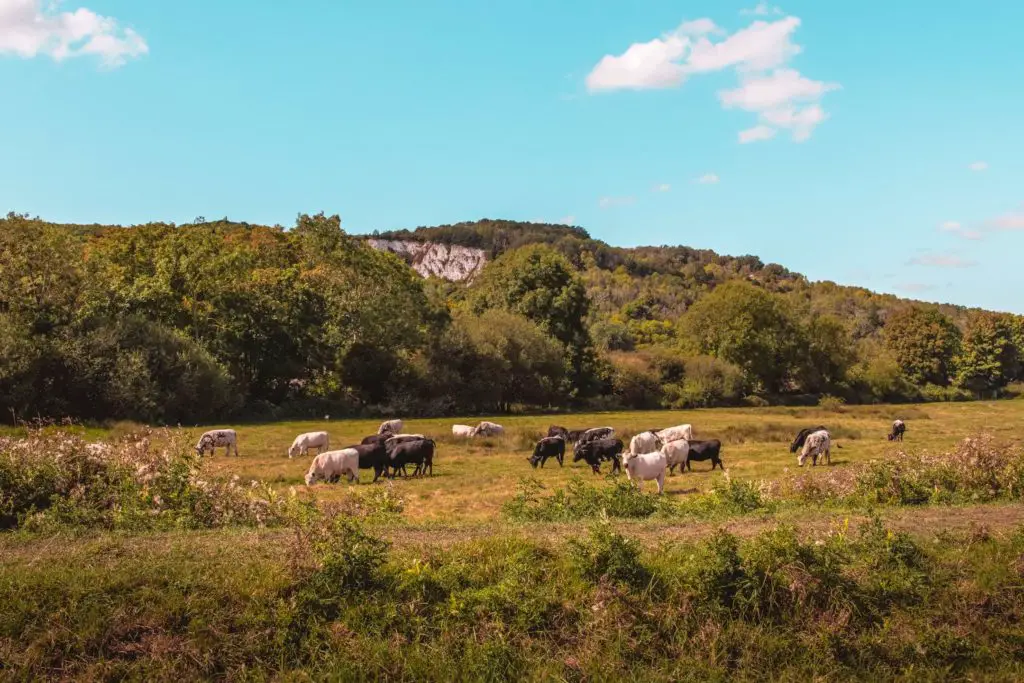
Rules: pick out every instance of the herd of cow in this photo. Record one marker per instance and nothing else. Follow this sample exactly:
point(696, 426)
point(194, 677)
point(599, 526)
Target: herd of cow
point(650, 455)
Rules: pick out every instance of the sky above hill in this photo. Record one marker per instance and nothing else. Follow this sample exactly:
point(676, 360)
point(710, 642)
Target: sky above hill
point(878, 143)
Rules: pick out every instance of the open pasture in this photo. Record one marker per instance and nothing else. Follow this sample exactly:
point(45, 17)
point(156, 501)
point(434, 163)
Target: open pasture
point(474, 477)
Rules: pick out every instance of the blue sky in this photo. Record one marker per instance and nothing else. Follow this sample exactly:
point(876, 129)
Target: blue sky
point(877, 143)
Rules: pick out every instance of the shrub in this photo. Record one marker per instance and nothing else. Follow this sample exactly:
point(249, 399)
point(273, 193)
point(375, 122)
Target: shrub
point(606, 555)
point(832, 404)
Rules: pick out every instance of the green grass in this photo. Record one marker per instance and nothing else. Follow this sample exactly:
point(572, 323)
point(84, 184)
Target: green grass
point(688, 587)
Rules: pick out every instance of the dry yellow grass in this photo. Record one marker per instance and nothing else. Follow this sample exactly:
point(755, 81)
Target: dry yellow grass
point(473, 478)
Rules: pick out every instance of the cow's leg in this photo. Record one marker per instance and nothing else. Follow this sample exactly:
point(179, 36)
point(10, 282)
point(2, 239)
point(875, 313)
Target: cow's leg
point(661, 483)
point(561, 460)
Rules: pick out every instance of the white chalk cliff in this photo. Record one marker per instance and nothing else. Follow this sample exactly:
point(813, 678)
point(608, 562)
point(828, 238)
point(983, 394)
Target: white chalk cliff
point(429, 259)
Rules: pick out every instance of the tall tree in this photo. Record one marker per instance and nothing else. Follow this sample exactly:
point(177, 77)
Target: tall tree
point(988, 359)
point(924, 343)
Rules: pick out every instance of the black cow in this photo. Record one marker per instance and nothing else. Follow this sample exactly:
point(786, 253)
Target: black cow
point(801, 436)
point(705, 450)
point(574, 435)
point(548, 447)
point(372, 456)
point(562, 432)
point(375, 438)
point(419, 452)
point(898, 427)
point(595, 452)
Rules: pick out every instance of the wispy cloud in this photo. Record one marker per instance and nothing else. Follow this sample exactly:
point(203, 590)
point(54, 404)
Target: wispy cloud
point(568, 220)
point(780, 96)
point(611, 202)
point(762, 9)
point(29, 28)
point(708, 179)
point(941, 260)
point(1009, 221)
point(978, 166)
point(661, 187)
point(955, 228)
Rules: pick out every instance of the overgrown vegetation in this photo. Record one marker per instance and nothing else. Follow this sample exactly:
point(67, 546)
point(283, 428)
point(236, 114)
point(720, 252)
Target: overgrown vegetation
point(862, 603)
point(201, 322)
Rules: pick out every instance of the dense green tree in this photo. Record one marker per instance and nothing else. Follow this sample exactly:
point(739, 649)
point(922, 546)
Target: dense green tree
point(988, 359)
point(924, 343)
point(750, 328)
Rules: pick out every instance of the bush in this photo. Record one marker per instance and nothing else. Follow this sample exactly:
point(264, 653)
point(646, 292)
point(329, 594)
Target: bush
point(56, 479)
point(832, 404)
point(606, 555)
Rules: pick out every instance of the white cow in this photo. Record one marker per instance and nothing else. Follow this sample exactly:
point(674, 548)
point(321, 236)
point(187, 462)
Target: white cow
point(817, 444)
point(641, 468)
point(218, 438)
point(390, 427)
point(644, 442)
point(488, 429)
point(462, 430)
point(303, 442)
point(675, 453)
point(332, 465)
point(676, 433)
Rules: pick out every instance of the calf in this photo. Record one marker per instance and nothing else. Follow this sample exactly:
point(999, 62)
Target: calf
point(331, 465)
point(595, 452)
point(217, 438)
point(555, 430)
point(645, 467)
point(488, 429)
point(801, 436)
point(898, 427)
point(303, 442)
point(390, 427)
point(704, 450)
point(816, 444)
point(548, 447)
point(418, 452)
point(675, 453)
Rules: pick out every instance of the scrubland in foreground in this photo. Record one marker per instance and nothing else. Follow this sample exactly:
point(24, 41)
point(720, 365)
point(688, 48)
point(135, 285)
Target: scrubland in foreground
point(899, 562)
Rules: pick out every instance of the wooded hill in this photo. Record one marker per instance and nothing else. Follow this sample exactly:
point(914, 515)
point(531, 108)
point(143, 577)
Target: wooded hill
point(214, 319)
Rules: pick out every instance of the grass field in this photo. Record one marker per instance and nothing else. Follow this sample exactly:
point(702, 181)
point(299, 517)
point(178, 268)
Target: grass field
point(472, 478)
point(467, 592)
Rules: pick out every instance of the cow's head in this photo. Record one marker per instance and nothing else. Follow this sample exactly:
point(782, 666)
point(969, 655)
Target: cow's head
point(293, 451)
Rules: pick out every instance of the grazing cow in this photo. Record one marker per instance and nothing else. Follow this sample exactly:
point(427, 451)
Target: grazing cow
point(596, 433)
point(372, 456)
point(645, 467)
point(218, 438)
point(705, 450)
point(675, 433)
point(801, 436)
point(390, 427)
point(548, 447)
point(462, 430)
point(375, 438)
point(418, 452)
point(562, 432)
point(644, 442)
point(675, 454)
point(331, 465)
point(488, 429)
point(816, 444)
point(595, 452)
point(898, 427)
point(303, 442)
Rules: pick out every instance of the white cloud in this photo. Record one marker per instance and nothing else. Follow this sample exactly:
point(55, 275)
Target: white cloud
point(978, 166)
point(663, 187)
point(782, 97)
point(610, 202)
point(956, 228)
point(1010, 221)
point(938, 260)
point(762, 9)
point(708, 179)
point(759, 132)
point(29, 28)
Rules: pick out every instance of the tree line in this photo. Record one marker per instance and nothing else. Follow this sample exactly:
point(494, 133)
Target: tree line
point(205, 321)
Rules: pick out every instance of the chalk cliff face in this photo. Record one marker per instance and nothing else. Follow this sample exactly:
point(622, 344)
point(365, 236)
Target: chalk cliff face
point(449, 262)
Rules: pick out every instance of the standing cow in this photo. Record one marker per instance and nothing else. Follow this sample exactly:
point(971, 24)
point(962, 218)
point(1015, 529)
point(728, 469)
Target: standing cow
point(218, 438)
